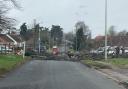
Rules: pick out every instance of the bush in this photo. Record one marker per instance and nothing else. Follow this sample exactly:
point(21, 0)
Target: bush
point(30, 53)
point(86, 57)
point(97, 56)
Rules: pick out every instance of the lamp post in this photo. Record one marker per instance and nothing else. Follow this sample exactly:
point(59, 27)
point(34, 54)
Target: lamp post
point(106, 12)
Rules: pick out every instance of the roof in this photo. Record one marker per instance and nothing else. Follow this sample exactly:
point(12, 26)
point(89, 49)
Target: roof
point(5, 39)
point(17, 38)
point(119, 40)
point(99, 38)
point(113, 40)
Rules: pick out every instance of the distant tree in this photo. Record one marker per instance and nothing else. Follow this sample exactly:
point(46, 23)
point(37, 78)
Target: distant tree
point(57, 34)
point(36, 32)
point(37, 27)
point(111, 31)
point(127, 34)
point(45, 36)
point(122, 33)
point(69, 36)
point(80, 38)
point(83, 36)
point(23, 28)
point(24, 31)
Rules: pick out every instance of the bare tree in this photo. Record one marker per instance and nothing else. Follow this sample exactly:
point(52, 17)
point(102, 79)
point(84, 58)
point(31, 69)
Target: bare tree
point(13, 2)
point(69, 36)
point(122, 33)
point(5, 21)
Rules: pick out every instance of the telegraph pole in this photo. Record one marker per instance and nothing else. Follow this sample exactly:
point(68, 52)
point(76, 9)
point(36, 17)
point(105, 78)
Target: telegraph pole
point(49, 40)
point(106, 39)
point(65, 44)
point(39, 39)
point(34, 39)
point(76, 38)
point(24, 44)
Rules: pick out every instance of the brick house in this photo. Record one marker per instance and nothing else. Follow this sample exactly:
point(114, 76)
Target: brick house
point(112, 41)
point(9, 42)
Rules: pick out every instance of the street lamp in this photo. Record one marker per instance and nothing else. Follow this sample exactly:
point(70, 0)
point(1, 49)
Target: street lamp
point(106, 39)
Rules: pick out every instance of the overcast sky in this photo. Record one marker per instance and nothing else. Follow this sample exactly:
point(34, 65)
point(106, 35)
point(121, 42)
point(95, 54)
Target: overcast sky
point(67, 12)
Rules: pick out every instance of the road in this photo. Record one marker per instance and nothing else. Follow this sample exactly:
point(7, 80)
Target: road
point(38, 74)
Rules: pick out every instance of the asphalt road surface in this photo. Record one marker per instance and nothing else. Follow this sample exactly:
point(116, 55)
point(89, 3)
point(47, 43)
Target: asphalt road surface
point(38, 74)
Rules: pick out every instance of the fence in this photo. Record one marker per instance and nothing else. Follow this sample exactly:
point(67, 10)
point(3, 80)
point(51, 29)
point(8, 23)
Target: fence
point(9, 49)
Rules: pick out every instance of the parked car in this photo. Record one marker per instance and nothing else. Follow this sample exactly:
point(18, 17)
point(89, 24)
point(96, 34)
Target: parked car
point(126, 50)
point(111, 51)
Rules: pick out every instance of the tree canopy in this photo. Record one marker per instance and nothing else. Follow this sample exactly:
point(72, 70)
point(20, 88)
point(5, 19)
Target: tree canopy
point(25, 33)
point(122, 33)
point(69, 36)
point(57, 33)
point(83, 36)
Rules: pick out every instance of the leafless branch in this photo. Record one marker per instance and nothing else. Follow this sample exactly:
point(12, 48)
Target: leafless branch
point(6, 22)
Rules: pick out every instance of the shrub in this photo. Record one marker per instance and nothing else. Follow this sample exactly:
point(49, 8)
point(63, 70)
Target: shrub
point(30, 53)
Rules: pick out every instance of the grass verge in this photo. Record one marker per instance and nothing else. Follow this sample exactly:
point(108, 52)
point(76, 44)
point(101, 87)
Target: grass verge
point(118, 62)
point(96, 64)
point(9, 62)
point(109, 64)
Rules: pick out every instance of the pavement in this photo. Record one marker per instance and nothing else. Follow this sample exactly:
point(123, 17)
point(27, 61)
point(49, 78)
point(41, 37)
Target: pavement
point(39, 74)
point(122, 71)
point(118, 77)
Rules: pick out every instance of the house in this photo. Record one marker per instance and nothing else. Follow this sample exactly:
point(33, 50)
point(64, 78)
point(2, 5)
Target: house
point(18, 41)
point(118, 41)
point(9, 42)
point(112, 41)
point(6, 44)
point(99, 38)
point(4, 39)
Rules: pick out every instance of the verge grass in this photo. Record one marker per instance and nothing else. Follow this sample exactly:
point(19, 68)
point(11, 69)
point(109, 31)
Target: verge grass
point(8, 62)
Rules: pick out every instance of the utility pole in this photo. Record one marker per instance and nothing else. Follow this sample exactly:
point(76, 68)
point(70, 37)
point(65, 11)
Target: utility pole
point(39, 39)
point(106, 12)
point(65, 43)
point(49, 40)
point(76, 38)
point(34, 39)
point(24, 44)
